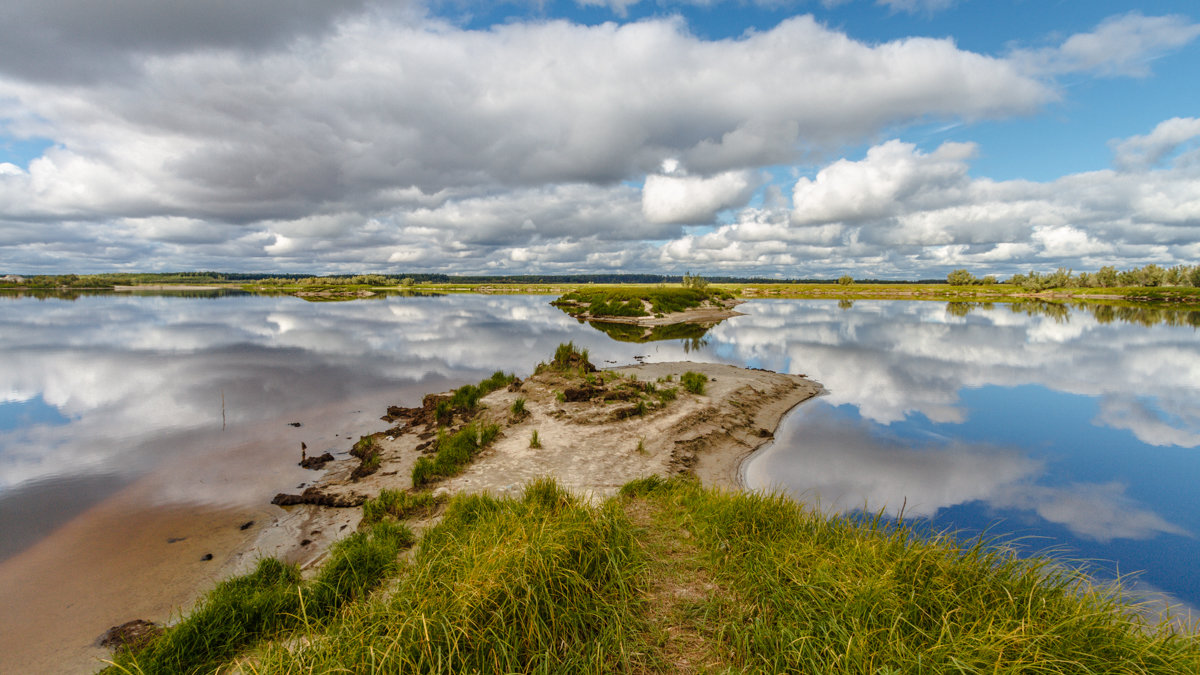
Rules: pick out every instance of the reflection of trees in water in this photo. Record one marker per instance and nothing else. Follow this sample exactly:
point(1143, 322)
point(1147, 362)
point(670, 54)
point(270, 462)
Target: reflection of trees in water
point(1145, 316)
point(845, 304)
point(1055, 310)
point(626, 332)
point(1142, 315)
point(964, 308)
point(694, 344)
point(959, 308)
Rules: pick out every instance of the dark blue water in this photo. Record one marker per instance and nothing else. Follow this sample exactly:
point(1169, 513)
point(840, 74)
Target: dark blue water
point(1074, 434)
point(1077, 429)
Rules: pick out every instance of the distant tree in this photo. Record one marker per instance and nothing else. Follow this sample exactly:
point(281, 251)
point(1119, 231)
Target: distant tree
point(1060, 278)
point(845, 280)
point(1151, 275)
point(1129, 278)
point(960, 278)
point(1106, 277)
point(697, 282)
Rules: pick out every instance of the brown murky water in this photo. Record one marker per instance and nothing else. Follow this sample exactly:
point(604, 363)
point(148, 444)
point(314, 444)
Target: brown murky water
point(141, 553)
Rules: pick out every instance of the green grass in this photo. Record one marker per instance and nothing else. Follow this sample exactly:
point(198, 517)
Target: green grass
point(454, 451)
point(270, 602)
point(568, 359)
point(798, 592)
point(534, 441)
point(466, 397)
point(669, 577)
point(541, 584)
point(399, 505)
point(694, 382)
point(518, 408)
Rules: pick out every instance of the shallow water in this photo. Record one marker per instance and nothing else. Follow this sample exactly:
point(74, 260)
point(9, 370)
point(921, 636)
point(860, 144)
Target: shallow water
point(1076, 428)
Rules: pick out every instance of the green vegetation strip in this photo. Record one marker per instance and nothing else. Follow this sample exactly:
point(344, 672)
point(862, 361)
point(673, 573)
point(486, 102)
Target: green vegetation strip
point(668, 577)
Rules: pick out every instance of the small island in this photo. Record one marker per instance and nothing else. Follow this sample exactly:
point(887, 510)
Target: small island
point(650, 306)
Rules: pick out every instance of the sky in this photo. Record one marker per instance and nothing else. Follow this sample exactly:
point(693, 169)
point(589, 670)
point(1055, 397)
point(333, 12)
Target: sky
point(892, 139)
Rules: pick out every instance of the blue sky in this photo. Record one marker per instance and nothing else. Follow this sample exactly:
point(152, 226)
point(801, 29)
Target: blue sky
point(889, 139)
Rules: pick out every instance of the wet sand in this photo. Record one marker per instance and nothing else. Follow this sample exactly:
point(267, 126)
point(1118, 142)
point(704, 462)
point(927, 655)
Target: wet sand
point(116, 561)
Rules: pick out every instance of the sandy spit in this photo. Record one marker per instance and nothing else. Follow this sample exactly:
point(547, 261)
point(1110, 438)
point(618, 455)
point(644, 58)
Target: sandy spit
point(584, 448)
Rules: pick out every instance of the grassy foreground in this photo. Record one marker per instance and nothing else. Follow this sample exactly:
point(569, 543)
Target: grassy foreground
point(671, 577)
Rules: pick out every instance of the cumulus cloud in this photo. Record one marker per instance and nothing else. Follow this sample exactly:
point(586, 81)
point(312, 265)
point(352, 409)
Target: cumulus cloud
point(902, 208)
point(1144, 152)
point(373, 115)
point(1120, 46)
point(77, 40)
point(693, 199)
point(893, 177)
point(368, 133)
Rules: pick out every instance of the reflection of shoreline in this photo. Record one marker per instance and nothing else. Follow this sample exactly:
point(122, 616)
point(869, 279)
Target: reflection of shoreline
point(1138, 314)
point(627, 332)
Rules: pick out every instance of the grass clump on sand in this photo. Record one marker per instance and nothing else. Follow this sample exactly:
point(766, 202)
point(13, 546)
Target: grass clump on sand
point(671, 577)
point(568, 359)
point(269, 602)
point(466, 397)
point(399, 505)
point(454, 451)
point(694, 382)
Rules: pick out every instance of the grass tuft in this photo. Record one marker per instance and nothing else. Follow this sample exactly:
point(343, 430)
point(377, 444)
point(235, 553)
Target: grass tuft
point(694, 382)
point(518, 408)
point(454, 451)
point(399, 505)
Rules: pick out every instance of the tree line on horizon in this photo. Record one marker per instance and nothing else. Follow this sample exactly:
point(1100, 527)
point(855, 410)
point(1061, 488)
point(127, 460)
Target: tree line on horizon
point(1149, 276)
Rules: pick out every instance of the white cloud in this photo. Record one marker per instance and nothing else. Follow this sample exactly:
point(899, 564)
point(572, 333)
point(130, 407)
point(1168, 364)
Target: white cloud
point(1144, 152)
point(694, 199)
point(1120, 46)
point(893, 177)
point(377, 107)
point(899, 208)
point(915, 6)
point(356, 138)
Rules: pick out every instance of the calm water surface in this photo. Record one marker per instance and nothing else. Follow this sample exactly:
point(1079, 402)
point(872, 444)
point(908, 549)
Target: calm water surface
point(1077, 429)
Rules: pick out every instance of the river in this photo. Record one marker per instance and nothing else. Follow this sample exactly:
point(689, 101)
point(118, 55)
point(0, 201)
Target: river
point(140, 433)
